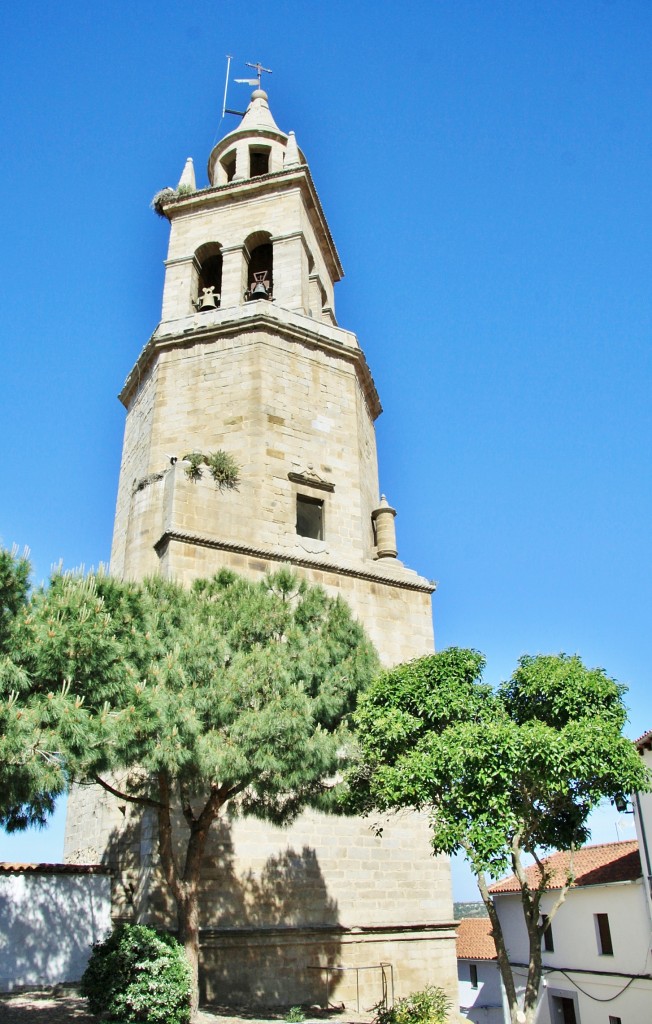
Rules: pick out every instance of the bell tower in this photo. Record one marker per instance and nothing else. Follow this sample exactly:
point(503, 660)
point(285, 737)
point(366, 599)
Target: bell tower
point(248, 359)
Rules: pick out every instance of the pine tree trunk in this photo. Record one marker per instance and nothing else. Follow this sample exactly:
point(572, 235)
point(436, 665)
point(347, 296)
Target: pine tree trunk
point(188, 925)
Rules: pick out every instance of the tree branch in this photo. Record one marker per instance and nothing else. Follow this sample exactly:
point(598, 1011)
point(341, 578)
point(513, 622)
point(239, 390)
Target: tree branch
point(146, 801)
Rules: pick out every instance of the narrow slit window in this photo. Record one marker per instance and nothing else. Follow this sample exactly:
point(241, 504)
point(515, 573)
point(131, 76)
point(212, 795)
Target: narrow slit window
point(310, 517)
point(473, 975)
point(548, 940)
point(605, 945)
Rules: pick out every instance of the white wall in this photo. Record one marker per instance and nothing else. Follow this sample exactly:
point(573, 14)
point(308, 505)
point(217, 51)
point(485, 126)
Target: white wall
point(48, 923)
point(482, 1005)
point(576, 946)
point(643, 821)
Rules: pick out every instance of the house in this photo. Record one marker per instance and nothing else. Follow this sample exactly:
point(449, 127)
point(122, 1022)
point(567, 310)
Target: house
point(597, 965)
point(480, 995)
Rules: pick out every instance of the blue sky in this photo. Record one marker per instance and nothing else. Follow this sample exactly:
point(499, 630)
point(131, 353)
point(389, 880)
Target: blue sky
point(486, 169)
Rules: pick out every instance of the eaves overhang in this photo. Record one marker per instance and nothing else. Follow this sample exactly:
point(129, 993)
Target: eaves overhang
point(265, 184)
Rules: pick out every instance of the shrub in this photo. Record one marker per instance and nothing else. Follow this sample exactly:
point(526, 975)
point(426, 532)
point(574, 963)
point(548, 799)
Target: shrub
point(138, 976)
point(295, 1015)
point(430, 1006)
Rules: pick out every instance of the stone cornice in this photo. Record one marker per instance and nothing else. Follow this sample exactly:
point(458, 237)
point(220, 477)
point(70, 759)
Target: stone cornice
point(264, 184)
point(304, 562)
point(312, 334)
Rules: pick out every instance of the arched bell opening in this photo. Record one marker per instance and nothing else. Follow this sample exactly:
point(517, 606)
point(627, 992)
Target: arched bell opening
point(208, 262)
point(260, 273)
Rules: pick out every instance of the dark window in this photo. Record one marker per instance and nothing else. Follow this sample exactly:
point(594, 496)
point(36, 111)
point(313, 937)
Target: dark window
point(473, 974)
point(615, 1020)
point(564, 1010)
point(548, 941)
point(310, 517)
point(605, 945)
point(228, 164)
point(258, 162)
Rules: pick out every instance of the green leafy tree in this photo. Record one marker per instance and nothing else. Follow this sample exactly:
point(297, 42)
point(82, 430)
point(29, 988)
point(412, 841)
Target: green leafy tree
point(228, 694)
point(503, 774)
point(30, 775)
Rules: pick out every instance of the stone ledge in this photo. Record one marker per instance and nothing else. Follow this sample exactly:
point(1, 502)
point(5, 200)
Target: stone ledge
point(199, 540)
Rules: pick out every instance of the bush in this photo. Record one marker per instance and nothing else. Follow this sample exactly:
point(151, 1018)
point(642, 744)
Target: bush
point(430, 1006)
point(138, 976)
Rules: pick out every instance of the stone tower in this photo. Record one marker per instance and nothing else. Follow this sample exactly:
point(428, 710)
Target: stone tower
point(248, 358)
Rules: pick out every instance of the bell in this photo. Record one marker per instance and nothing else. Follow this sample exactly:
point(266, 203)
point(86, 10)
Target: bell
point(259, 290)
point(208, 299)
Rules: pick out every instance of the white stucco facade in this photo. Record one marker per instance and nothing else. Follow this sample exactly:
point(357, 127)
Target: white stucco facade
point(480, 991)
point(600, 985)
point(49, 920)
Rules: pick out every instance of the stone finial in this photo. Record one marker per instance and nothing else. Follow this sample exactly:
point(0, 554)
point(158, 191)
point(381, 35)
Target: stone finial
point(187, 179)
point(383, 517)
point(291, 158)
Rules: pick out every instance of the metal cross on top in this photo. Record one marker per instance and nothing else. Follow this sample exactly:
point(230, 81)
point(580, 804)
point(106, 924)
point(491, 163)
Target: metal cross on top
point(258, 68)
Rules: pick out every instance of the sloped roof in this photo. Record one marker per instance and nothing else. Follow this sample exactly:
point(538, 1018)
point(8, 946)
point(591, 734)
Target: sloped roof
point(9, 868)
point(593, 865)
point(644, 742)
point(474, 939)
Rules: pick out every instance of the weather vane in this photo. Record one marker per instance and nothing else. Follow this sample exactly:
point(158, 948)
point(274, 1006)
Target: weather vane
point(258, 68)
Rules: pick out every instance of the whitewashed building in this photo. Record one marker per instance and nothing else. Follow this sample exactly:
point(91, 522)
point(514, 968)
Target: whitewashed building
point(597, 965)
point(480, 996)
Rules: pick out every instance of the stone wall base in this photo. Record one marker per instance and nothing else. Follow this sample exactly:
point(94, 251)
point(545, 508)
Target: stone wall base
point(325, 966)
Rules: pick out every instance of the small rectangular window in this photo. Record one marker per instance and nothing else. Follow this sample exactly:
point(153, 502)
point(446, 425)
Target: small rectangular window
point(473, 974)
point(605, 945)
point(310, 517)
point(258, 162)
point(548, 941)
point(615, 1020)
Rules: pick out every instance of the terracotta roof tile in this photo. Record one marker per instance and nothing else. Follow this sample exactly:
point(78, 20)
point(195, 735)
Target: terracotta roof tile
point(593, 865)
point(644, 742)
point(474, 939)
point(8, 868)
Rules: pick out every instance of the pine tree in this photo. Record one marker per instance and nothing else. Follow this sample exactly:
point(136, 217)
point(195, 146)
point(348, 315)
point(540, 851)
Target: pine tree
point(228, 694)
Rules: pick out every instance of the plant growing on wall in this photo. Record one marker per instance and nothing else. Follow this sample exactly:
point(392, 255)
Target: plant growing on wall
point(222, 467)
point(504, 773)
point(231, 696)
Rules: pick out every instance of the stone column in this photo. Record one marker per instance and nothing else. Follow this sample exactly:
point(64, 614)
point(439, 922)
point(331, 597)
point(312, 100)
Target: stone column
point(234, 275)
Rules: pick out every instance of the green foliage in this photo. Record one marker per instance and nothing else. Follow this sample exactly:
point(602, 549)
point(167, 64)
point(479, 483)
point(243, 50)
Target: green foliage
point(31, 774)
point(138, 976)
point(429, 1006)
point(295, 1015)
point(222, 467)
point(14, 588)
point(230, 681)
point(195, 462)
point(527, 762)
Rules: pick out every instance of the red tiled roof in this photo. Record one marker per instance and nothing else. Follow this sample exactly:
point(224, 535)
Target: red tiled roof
point(7, 868)
point(593, 865)
point(644, 742)
point(474, 939)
